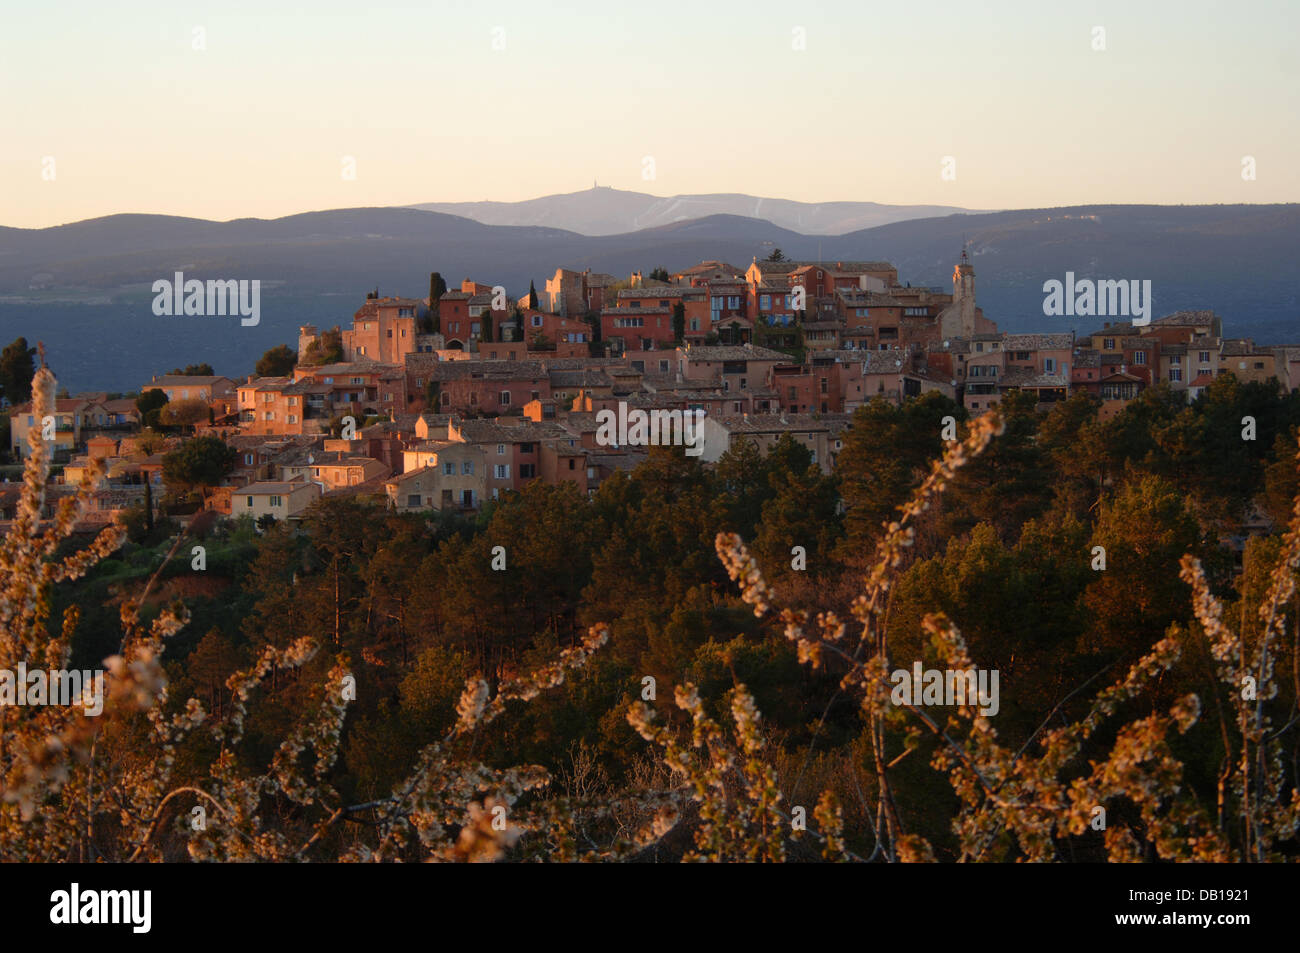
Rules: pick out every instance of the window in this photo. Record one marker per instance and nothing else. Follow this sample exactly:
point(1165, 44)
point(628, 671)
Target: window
point(764, 302)
point(504, 398)
point(248, 459)
point(501, 450)
point(1139, 357)
point(536, 320)
point(1049, 365)
point(356, 380)
point(1108, 344)
point(527, 471)
point(527, 448)
point(466, 467)
point(501, 471)
point(449, 468)
point(292, 418)
point(413, 499)
point(571, 463)
point(250, 502)
point(1175, 373)
point(1204, 357)
point(1175, 360)
point(276, 501)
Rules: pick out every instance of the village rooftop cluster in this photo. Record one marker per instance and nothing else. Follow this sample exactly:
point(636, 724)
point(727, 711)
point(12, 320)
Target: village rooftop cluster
point(443, 402)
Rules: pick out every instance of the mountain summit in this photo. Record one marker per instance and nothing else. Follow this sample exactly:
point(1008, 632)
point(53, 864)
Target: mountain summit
point(607, 211)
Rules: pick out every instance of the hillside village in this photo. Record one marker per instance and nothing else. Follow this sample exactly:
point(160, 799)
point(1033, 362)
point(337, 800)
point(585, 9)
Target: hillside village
point(445, 402)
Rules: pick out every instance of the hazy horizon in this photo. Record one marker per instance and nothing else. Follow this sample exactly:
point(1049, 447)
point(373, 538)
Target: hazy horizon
point(414, 206)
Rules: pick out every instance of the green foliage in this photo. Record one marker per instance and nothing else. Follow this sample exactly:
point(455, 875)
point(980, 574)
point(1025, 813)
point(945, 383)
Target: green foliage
point(17, 368)
point(885, 452)
point(327, 349)
point(278, 361)
point(150, 404)
point(199, 463)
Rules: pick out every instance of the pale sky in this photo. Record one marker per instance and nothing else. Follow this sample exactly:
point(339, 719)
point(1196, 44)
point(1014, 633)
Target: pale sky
point(258, 122)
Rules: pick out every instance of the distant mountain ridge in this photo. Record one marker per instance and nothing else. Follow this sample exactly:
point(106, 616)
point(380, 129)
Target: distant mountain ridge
point(607, 211)
point(84, 288)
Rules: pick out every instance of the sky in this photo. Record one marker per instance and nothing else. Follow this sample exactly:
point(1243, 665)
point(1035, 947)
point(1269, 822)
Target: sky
point(234, 109)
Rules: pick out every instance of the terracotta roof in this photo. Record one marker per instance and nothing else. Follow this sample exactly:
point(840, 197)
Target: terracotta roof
point(1037, 342)
point(725, 352)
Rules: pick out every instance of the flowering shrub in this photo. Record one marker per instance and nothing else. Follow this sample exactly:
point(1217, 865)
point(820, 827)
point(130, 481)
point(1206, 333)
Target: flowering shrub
point(72, 791)
point(149, 779)
point(1022, 803)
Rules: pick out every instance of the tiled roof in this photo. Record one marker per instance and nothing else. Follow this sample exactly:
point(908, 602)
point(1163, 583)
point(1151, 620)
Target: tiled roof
point(1036, 342)
point(1028, 377)
point(589, 377)
point(181, 380)
point(668, 291)
point(726, 352)
point(272, 486)
point(1186, 318)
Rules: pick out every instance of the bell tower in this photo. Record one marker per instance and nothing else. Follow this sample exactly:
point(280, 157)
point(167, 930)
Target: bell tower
point(963, 279)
